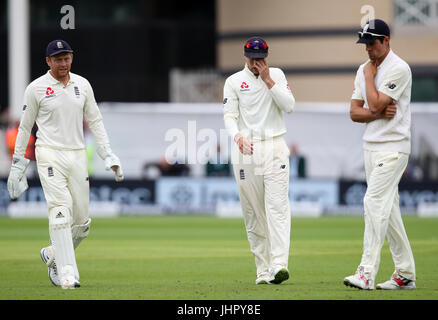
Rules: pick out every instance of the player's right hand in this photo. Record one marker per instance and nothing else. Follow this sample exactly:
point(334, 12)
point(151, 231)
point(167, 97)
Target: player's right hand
point(17, 181)
point(246, 147)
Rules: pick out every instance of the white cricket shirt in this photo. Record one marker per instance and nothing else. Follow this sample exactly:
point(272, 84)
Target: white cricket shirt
point(254, 110)
point(393, 78)
point(59, 112)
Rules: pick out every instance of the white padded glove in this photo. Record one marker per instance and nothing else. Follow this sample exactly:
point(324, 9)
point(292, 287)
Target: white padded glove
point(111, 160)
point(17, 181)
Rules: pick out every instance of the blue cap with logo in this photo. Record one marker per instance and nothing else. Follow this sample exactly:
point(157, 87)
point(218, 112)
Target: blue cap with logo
point(57, 46)
point(373, 30)
point(256, 47)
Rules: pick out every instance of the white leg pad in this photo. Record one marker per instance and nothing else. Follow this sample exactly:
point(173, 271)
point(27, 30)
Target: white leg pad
point(61, 234)
point(80, 232)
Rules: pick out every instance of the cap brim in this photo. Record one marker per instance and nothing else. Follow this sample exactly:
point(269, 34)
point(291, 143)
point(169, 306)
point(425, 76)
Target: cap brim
point(256, 55)
point(59, 51)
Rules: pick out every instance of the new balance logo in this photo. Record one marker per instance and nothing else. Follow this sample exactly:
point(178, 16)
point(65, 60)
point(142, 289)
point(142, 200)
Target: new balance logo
point(59, 215)
point(391, 85)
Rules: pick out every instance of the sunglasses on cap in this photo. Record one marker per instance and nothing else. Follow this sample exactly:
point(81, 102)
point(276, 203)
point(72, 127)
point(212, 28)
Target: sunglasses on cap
point(256, 45)
point(369, 35)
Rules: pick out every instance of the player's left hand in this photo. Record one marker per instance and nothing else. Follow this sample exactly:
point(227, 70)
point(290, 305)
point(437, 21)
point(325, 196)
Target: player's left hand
point(112, 162)
point(118, 173)
point(390, 111)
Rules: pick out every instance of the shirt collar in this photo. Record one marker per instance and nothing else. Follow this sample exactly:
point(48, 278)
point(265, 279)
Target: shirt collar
point(387, 58)
point(52, 80)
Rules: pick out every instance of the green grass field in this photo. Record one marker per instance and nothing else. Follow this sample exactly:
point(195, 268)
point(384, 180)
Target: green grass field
point(200, 258)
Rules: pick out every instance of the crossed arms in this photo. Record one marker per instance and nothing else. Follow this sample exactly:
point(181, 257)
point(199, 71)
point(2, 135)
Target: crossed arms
point(380, 105)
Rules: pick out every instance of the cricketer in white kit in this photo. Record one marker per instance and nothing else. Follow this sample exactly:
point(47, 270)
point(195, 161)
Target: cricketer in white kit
point(381, 99)
point(254, 101)
point(58, 102)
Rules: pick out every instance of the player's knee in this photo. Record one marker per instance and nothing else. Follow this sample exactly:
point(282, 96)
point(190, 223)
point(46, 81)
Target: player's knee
point(59, 218)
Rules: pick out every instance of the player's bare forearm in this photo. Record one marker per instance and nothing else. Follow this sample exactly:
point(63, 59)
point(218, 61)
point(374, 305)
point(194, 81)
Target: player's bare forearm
point(363, 115)
point(359, 114)
point(377, 101)
point(269, 82)
point(373, 96)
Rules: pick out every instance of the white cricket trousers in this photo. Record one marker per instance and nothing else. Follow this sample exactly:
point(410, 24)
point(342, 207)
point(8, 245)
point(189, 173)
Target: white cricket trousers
point(263, 184)
point(382, 214)
point(64, 178)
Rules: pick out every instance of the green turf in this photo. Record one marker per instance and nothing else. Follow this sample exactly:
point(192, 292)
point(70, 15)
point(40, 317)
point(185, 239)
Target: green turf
point(192, 257)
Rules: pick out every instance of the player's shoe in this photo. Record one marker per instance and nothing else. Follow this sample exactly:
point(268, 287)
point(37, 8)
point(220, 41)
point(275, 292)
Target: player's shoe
point(264, 278)
point(68, 280)
point(397, 283)
point(48, 258)
point(360, 280)
point(279, 275)
point(70, 283)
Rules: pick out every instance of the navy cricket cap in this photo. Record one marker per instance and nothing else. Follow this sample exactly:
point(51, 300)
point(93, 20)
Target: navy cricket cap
point(373, 30)
point(57, 46)
point(255, 47)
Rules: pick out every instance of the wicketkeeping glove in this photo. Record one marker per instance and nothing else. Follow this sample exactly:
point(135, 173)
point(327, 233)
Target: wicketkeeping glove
point(111, 160)
point(17, 181)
